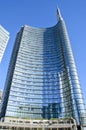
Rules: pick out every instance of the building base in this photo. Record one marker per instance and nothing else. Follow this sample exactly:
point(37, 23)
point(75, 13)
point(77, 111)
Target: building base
point(25, 124)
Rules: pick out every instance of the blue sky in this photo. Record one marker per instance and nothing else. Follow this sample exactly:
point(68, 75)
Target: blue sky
point(42, 13)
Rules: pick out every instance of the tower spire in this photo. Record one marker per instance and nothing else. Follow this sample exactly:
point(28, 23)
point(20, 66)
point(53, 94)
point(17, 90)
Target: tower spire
point(59, 14)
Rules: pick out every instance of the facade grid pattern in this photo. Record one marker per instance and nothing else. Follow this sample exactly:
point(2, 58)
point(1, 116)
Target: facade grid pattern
point(42, 80)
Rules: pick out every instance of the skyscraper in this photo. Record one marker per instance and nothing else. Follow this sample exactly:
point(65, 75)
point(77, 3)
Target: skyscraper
point(4, 37)
point(42, 80)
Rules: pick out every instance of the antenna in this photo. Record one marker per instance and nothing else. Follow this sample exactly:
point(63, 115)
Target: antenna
point(59, 14)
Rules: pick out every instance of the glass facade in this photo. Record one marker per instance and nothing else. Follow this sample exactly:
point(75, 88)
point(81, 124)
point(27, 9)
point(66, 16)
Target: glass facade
point(42, 80)
point(4, 37)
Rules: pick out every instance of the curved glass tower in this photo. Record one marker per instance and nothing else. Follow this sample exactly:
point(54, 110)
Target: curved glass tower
point(42, 80)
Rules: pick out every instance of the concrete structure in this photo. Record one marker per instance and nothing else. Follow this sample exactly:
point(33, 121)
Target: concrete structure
point(42, 80)
point(4, 37)
point(24, 124)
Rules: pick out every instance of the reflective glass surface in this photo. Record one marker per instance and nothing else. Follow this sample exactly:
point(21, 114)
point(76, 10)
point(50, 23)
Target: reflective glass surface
point(42, 80)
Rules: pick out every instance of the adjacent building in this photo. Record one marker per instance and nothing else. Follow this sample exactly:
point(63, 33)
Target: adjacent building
point(4, 37)
point(42, 80)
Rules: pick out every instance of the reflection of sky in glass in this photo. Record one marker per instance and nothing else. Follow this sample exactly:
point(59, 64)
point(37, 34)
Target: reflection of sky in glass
point(45, 81)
